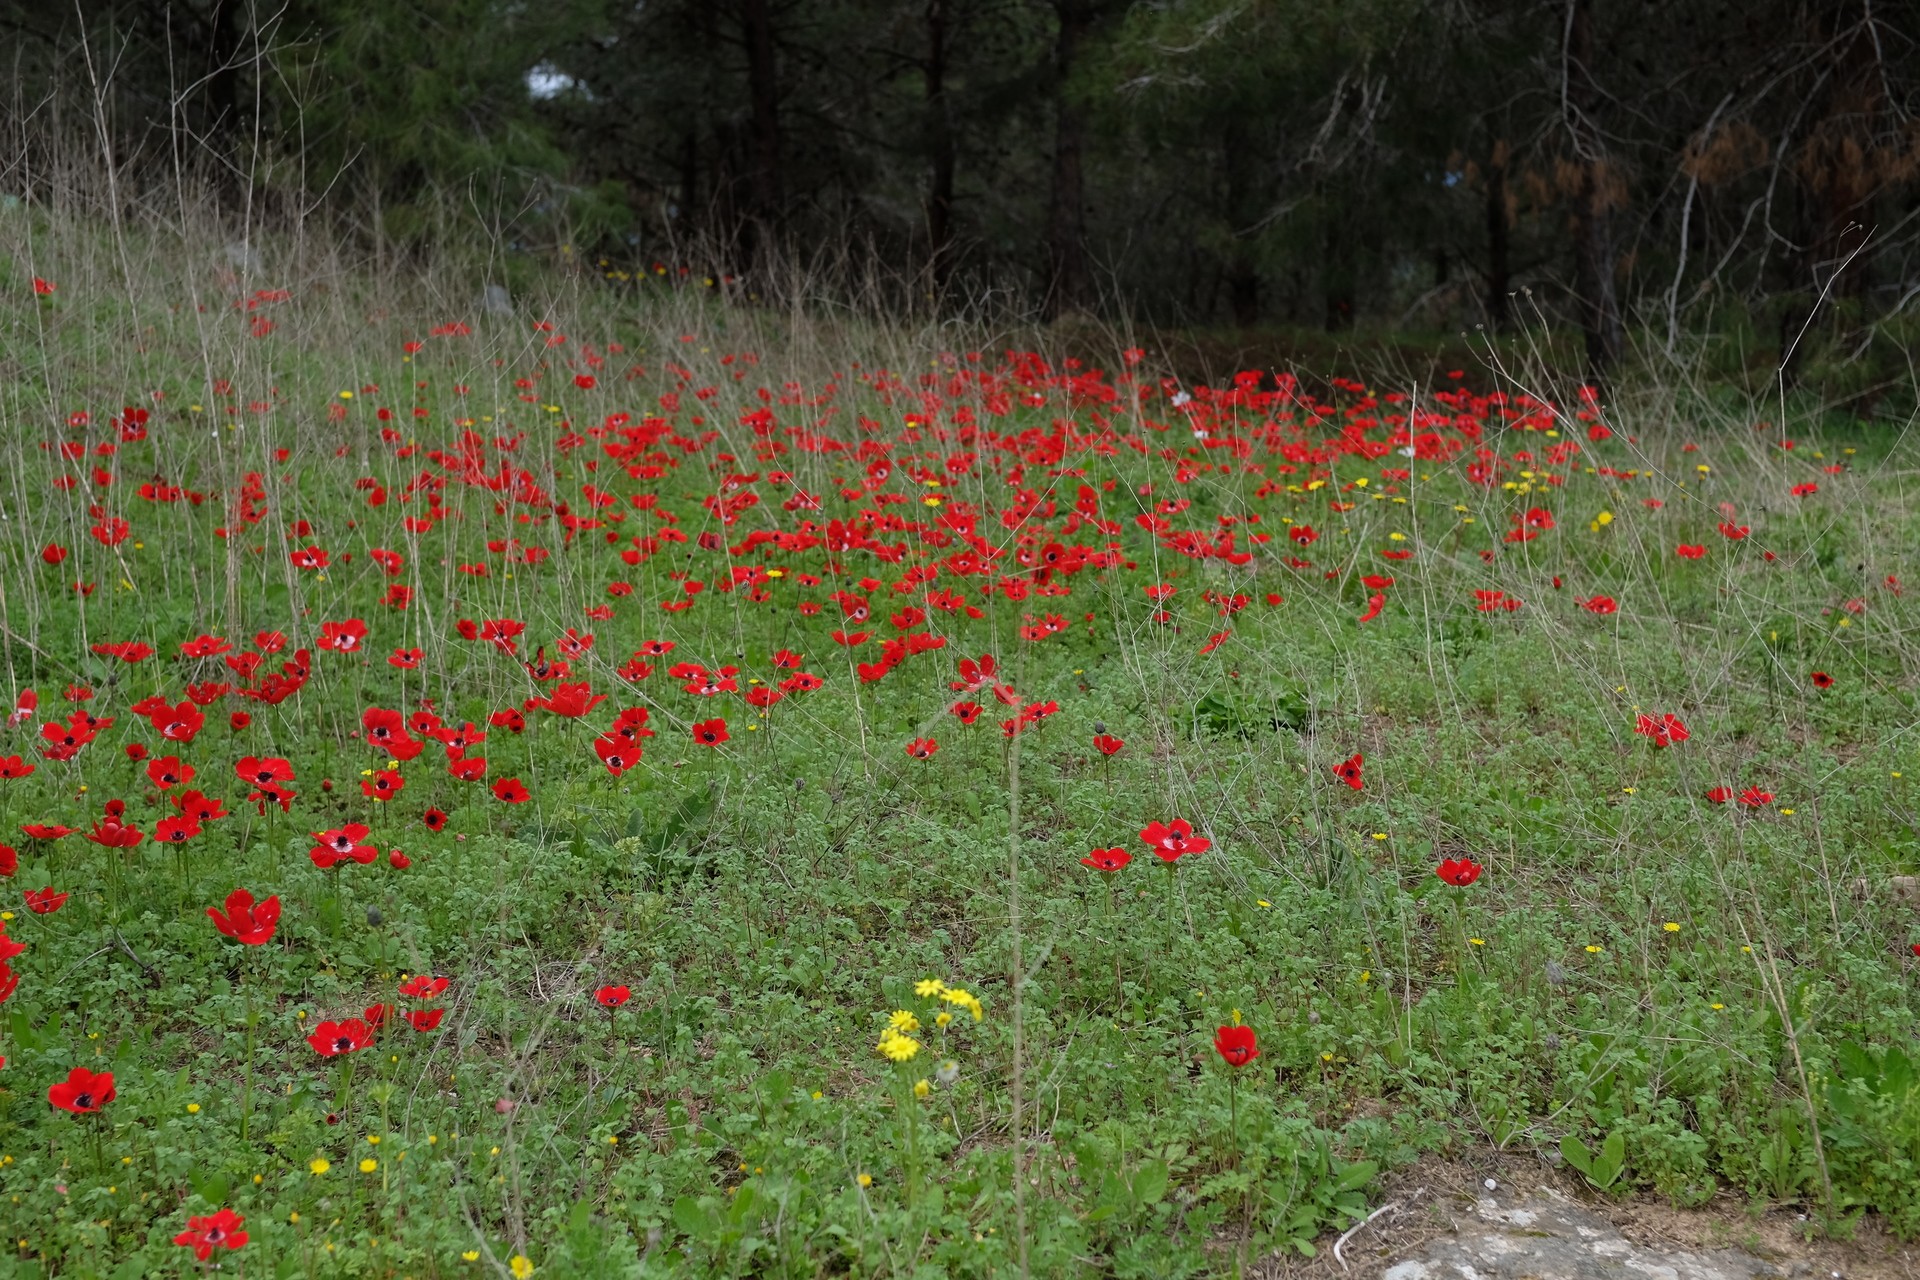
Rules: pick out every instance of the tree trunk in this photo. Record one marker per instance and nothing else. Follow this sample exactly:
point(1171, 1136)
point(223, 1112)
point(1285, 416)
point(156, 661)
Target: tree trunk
point(940, 148)
point(223, 69)
point(689, 183)
point(1243, 277)
point(1594, 199)
point(1068, 278)
point(1499, 242)
point(1839, 158)
point(756, 20)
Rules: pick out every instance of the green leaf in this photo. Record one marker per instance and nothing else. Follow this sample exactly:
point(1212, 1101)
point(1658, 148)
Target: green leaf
point(694, 1218)
point(1613, 1158)
point(1576, 1154)
point(1149, 1183)
point(1356, 1175)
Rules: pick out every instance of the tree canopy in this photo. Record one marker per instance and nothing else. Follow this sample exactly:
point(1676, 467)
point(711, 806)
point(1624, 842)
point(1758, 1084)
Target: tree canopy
point(1618, 166)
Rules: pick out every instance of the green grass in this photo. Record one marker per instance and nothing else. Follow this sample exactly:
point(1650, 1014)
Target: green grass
point(1686, 997)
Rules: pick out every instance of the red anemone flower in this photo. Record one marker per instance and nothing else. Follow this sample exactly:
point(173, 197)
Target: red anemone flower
point(1459, 872)
point(207, 1232)
point(711, 732)
point(342, 637)
point(331, 1039)
point(1821, 680)
point(343, 843)
point(264, 771)
point(511, 791)
point(1174, 840)
point(175, 830)
point(82, 1092)
point(922, 748)
point(1754, 797)
point(108, 832)
point(1235, 1045)
point(1107, 860)
point(44, 902)
point(1663, 731)
point(247, 921)
point(612, 997)
point(1348, 770)
point(472, 769)
point(1720, 795)
point(423, 986)
point(168, 771)
point(384, 785)
point(616, 754)
point(1106, 744)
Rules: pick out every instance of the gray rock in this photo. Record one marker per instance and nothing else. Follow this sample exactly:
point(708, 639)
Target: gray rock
point(496, 301)
point(242, 256)
point(1548, 1237)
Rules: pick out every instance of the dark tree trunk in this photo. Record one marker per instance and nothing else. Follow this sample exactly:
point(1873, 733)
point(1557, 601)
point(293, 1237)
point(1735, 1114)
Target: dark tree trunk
point(1499, 241)
point(1840, 154)
point(940, 148)
point(689, 181)
point(766, 195)
point(1337, 281)
point(1069, 281)
point(1594, 199)
point(223, 69)
point(1243, 277)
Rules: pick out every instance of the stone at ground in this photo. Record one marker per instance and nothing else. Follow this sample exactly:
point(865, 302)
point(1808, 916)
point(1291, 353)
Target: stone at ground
point(1545, 1236)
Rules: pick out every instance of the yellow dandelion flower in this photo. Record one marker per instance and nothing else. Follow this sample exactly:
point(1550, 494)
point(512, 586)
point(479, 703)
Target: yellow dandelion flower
point(965, 999)
point(319, 1165)
point(929, 987)
point(896, 1047)
point(902, 1021)
point(520, 1266)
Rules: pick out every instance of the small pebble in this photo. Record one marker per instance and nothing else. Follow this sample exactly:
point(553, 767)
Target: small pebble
point(1491, 1185)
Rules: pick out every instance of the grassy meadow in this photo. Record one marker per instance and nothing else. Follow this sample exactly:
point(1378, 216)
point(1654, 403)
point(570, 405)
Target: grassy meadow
point(773, 726)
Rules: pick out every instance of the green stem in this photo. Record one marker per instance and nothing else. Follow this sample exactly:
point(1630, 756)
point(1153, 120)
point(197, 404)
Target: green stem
point(911, 1113)
point(1233, 1110)
point(246, 1090)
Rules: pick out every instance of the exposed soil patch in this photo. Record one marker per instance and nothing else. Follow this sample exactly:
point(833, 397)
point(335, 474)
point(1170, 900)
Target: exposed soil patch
point(1537, 1223)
